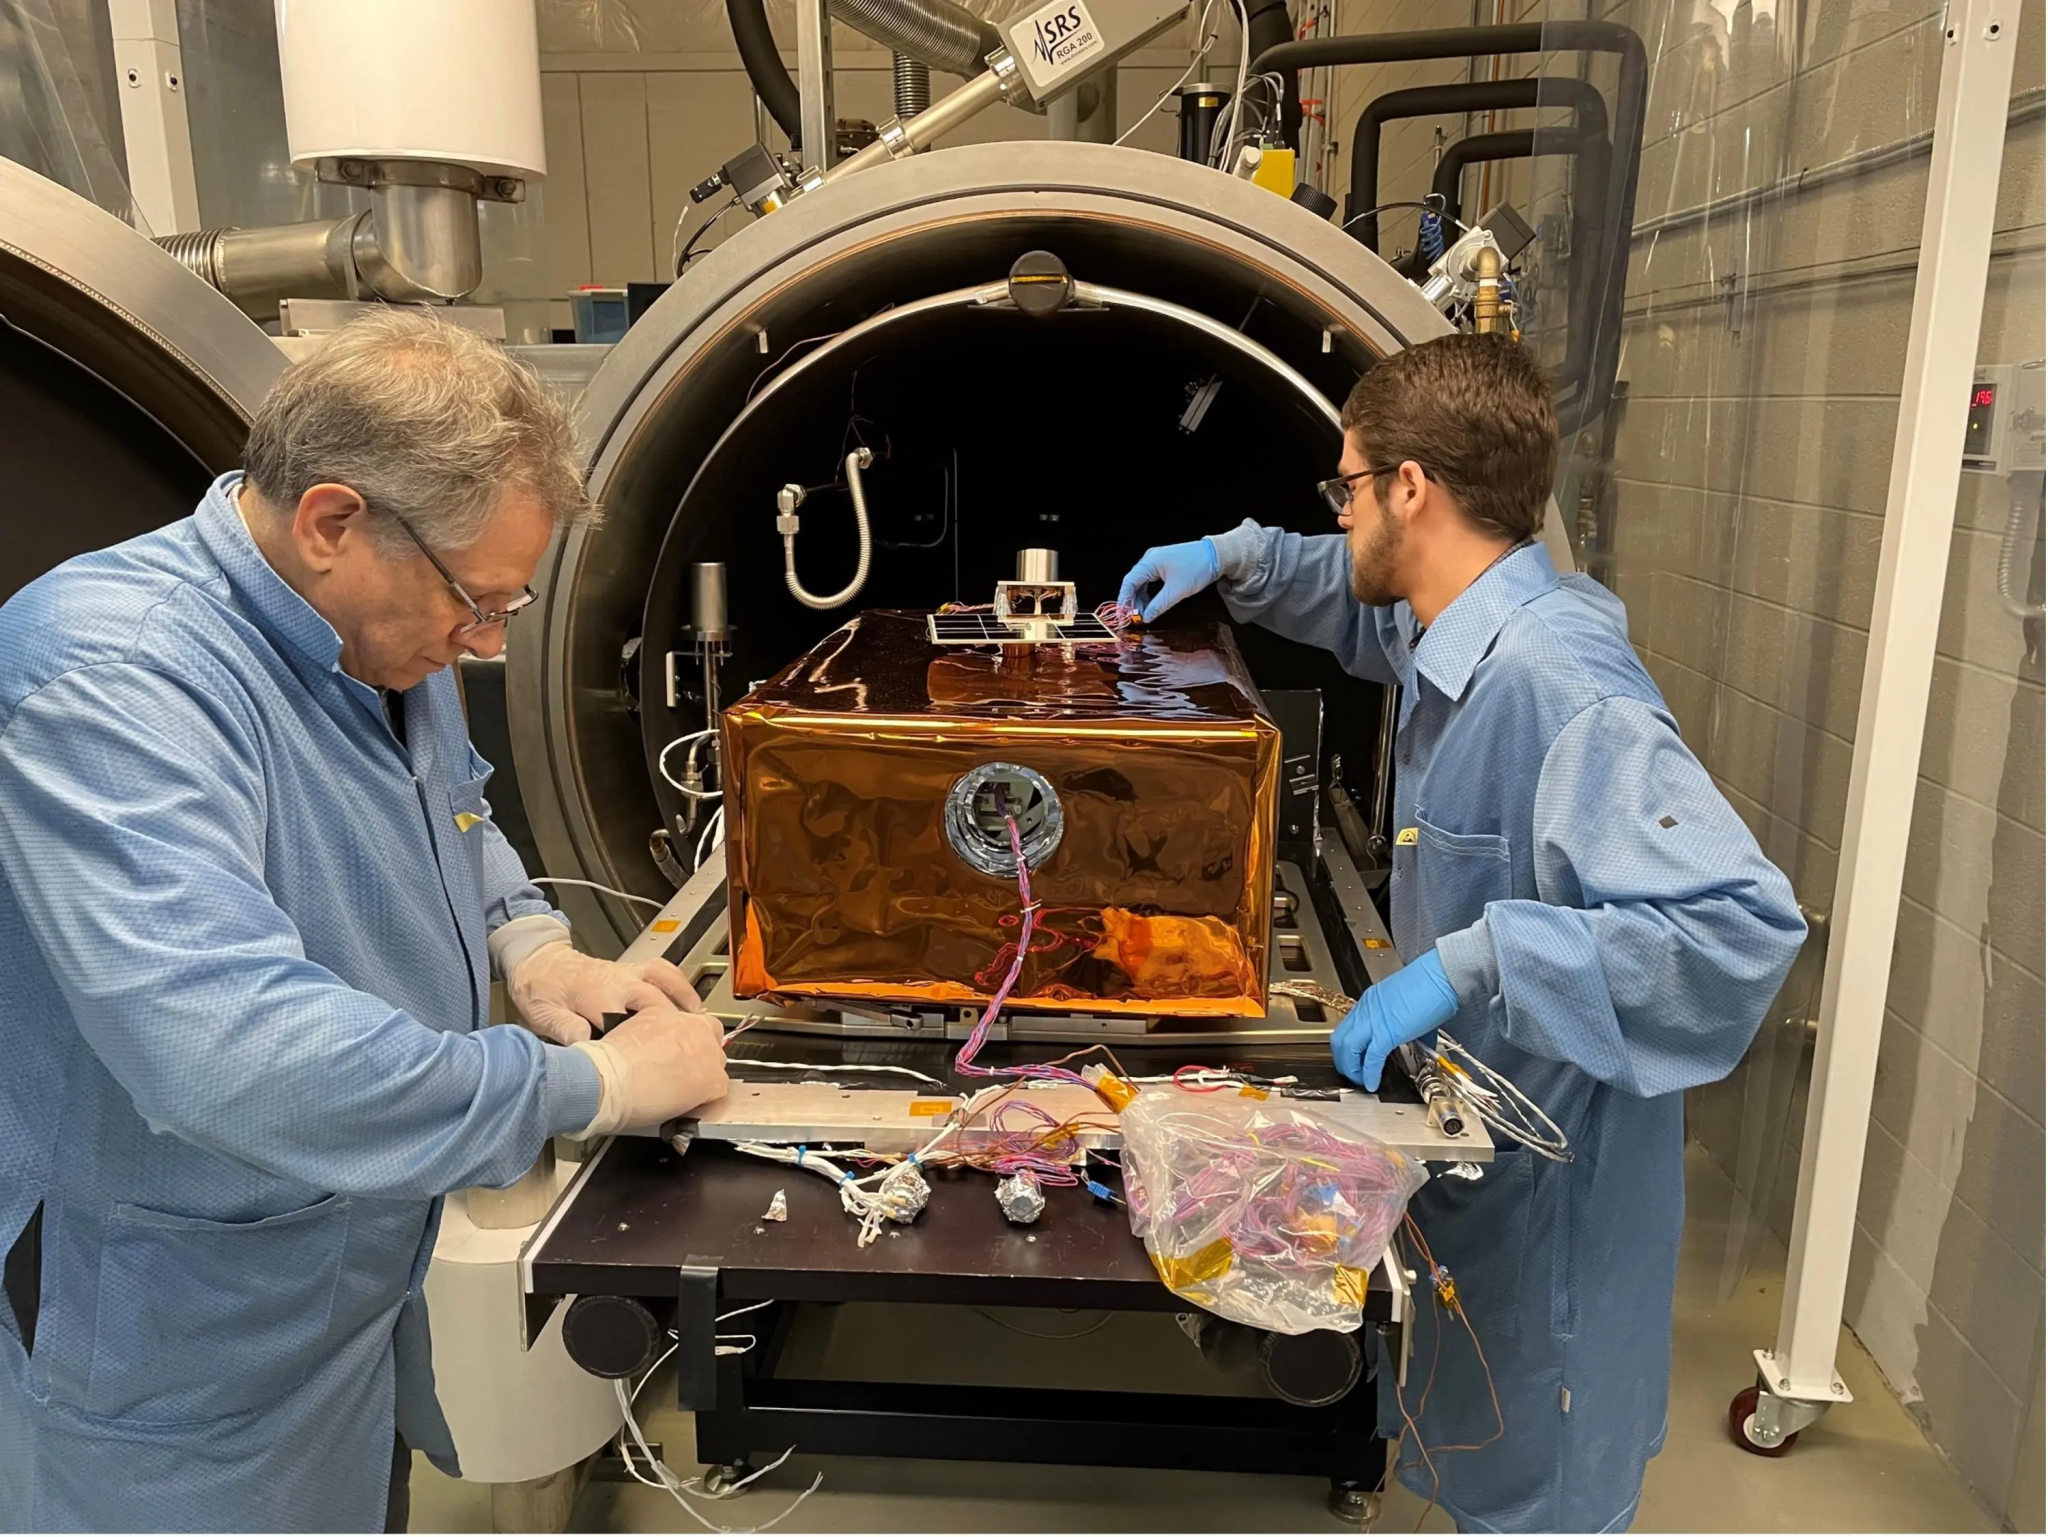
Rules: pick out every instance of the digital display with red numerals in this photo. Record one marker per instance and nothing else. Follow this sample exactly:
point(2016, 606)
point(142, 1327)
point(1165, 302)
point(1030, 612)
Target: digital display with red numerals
point(1985, 395)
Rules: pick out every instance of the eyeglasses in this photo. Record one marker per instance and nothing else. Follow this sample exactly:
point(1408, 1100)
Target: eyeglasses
point(1339, 489)
point(481, 620)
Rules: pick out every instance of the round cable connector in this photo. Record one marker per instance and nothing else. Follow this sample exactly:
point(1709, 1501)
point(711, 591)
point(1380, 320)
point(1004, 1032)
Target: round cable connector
point(983, 802)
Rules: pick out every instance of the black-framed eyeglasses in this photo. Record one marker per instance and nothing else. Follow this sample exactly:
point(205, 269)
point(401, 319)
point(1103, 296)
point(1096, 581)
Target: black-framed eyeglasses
point(482, 620)
point(1339, 489)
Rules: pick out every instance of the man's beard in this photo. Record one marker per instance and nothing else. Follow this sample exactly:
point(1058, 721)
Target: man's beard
point(1372, 568)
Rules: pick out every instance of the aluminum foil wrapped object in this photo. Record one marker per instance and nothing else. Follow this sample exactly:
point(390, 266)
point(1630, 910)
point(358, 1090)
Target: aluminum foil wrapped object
point(778, 1208)
point(868, 858)
point(904, 1193)
point(1021, 1198)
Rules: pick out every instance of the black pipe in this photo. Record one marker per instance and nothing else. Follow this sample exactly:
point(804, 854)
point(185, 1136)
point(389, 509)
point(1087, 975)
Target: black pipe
point(1508, 144)
point(1631, 102)
point(764, 66)
point(1440, 100)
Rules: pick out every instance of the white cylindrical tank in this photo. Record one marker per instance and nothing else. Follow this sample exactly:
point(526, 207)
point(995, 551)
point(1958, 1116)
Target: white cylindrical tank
point(456, 81)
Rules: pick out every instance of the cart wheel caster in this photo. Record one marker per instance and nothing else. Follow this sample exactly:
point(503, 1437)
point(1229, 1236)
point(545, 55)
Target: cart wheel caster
point(723, 1479)
point(1354, 1504)
point(1742, 1426)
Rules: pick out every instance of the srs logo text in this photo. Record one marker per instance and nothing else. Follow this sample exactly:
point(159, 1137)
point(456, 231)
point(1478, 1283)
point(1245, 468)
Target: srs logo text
point(1062, 34)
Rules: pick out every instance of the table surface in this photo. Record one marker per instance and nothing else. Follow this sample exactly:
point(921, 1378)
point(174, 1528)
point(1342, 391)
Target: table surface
point(642, 1211)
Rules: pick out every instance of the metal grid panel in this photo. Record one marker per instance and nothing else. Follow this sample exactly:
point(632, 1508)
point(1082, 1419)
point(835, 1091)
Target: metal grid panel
point(984, 629)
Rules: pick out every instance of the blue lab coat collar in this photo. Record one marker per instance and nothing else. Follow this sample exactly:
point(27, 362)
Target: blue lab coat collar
point(279, 611)
point(1451, 649)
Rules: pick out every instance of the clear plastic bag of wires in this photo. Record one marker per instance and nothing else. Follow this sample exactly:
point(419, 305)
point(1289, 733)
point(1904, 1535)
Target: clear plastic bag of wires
point(1267, 1212)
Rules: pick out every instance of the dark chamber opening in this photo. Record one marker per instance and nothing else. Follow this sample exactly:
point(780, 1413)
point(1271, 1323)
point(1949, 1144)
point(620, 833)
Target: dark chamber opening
point(993, 432)
point(88, 466)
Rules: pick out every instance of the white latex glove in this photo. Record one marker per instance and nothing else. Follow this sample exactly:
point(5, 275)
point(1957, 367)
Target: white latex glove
point(659, 1064)
point(563, 995)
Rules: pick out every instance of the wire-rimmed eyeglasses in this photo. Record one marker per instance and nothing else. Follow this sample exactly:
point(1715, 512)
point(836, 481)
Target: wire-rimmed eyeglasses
point(482, 620)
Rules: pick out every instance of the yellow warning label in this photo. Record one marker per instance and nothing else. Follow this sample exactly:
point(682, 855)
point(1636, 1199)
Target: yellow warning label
point(931, 1107)
point(1376, 944)
point(465, 820)
point(665, 925)
point(1405, 838)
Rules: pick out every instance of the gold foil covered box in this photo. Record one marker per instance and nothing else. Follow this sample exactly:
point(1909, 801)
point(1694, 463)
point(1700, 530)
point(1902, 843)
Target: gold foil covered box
point(869, 791)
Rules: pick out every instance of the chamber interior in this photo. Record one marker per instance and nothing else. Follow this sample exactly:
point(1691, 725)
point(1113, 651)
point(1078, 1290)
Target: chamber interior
point(1096, 433)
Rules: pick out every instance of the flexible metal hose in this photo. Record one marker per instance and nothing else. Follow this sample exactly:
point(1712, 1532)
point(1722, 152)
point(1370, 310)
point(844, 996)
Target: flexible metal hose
point(913, 87)
point(198, 250)
point(856, 461)
point(938, 33)
point(2016, 546)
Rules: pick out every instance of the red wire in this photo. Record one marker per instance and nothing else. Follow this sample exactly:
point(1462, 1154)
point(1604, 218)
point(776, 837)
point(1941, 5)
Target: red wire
point(1198, 1088)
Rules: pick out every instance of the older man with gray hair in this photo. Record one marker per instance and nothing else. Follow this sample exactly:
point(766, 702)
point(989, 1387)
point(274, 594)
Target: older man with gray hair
point(251, 904)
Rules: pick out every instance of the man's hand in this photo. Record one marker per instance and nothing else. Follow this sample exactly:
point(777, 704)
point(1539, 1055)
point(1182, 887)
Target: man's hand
point(1179, 571)
point(659, 1064)
point(563, 995)
point(1407, 1006)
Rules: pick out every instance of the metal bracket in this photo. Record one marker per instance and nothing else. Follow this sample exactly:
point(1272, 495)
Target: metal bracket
point(371, 174)
point(1733, 292)
point(696, 1333)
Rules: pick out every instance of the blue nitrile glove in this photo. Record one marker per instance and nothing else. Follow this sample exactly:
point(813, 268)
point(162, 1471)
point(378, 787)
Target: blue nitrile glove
point(1180, 570)
point(1407, 1006)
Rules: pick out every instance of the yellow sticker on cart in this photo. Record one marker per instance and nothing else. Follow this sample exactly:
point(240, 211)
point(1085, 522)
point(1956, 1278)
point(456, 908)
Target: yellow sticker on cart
point(665, 925)
point(931, 1106)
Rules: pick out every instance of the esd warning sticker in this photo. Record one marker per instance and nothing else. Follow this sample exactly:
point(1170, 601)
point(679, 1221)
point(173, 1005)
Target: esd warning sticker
point(1064, 34)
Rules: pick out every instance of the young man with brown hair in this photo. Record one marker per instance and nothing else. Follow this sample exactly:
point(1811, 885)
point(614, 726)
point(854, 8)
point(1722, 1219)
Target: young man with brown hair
point(1572, 897)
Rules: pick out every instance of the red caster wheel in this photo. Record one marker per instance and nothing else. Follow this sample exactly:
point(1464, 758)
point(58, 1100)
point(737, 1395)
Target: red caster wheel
point(1742, 1426)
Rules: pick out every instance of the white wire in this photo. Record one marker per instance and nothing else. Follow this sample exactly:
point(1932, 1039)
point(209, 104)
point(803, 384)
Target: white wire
point(837, 1067)
point(753, 1307)
point(1202, 48)
point(610, 891)
point(676, 1486)
point(1528, 1124)
point(1244, 70)
point(661, 763)
point(640, 1387)
point(712, 837)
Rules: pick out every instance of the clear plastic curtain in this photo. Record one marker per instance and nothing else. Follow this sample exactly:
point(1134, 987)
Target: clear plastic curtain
point(59, 111)
point(1703, 306)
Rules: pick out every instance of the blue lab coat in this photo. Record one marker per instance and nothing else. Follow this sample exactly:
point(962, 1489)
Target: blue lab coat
point(243, 983)
point(1614, 936)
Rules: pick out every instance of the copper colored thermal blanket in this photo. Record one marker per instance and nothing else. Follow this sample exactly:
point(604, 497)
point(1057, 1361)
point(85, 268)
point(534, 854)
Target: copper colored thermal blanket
point(845, 883)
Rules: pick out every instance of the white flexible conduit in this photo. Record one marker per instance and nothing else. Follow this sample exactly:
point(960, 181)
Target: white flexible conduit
point(786, 523)
point(2017, 545)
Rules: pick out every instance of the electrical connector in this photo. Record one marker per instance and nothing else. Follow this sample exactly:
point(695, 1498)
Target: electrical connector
point(1446, 1287)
